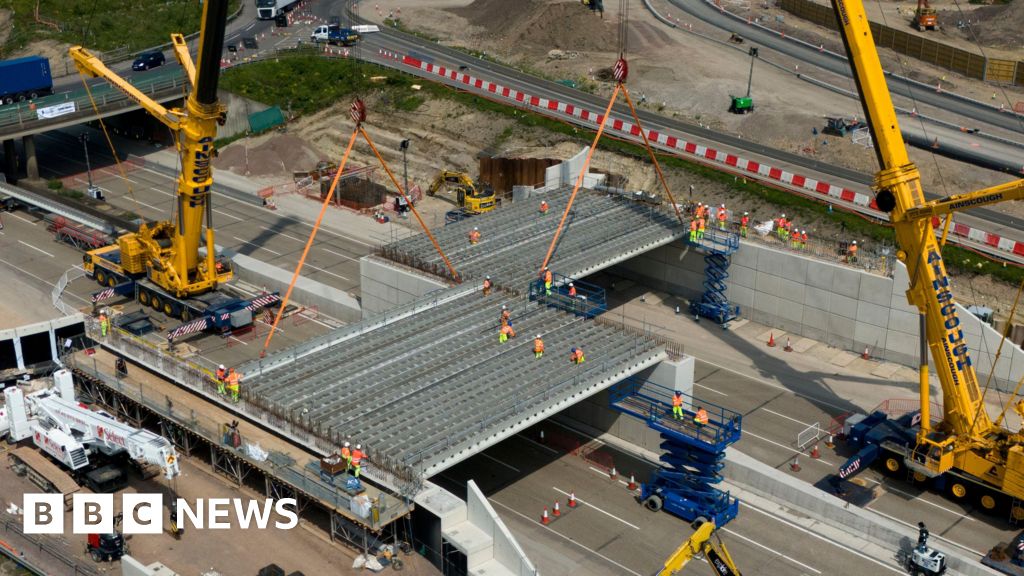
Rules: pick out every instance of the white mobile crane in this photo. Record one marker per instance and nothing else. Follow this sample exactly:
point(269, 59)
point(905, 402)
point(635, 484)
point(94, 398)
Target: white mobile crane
point(69, 432)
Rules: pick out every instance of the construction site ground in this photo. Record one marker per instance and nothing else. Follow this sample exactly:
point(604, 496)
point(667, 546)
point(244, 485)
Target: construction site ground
point(305, 548)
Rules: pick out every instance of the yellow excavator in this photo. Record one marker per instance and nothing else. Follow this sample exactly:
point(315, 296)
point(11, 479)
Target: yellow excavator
point(472, 197)
point(161, 264)
point(967, 453)
point(700, 545)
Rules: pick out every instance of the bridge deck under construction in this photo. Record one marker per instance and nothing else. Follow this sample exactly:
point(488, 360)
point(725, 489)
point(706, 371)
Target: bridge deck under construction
point(427, 385)
point(601, 229)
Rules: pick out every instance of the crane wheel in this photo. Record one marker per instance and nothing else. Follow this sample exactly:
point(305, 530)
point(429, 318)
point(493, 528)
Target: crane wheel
point(654, 503)
point(143, 297)
point(919, 477)
point(893, 464)
point(1017, 513)
point(988, 502)
point(958, 489)
point(154, 301)
point(185, 315)
point(168, 309)
point(111, 281)
point(101, 278)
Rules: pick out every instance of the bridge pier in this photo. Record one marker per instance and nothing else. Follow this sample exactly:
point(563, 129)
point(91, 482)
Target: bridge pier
point(10, 161)
point(31, 162)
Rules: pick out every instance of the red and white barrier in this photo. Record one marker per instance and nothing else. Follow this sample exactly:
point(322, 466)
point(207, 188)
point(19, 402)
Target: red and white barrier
point(862, 202)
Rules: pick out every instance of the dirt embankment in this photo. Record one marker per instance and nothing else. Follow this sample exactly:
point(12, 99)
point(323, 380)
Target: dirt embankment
point(998, 26)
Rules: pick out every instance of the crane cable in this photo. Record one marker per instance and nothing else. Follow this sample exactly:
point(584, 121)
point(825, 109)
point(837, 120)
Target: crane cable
point(1006, 333)
point(309, 242)
point(106, 135)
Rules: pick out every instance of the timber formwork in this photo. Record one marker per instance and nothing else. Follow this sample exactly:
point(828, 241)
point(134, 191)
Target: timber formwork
point(602, 229)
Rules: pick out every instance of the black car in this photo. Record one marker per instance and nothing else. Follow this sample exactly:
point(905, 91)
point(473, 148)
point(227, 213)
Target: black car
point(148, 60)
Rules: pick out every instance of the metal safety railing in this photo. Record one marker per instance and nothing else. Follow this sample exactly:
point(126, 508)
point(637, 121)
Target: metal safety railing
point(201, 380)
point(56, 295)
point(51, 547)
point(25, 115)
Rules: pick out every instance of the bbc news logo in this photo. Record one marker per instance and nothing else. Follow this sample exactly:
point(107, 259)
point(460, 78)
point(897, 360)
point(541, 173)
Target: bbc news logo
point(143, 514)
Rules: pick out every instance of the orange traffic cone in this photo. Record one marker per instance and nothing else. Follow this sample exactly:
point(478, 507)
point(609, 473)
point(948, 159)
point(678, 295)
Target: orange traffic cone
point(572, 499)
point(632, 483)
point(867, 354)
point(545, 520)
point(788, 348)
point(794, 466)
point(829, 443)
point(614, 473)
point(555, 511)
point(771, 340)
point(815, 453)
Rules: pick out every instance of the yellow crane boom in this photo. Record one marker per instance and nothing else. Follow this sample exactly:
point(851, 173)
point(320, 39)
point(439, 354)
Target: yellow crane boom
point(168, 252)
point(966, 439)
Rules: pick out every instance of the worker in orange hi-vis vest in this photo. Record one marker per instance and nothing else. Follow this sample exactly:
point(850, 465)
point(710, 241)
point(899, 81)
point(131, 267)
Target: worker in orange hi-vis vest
point(538, 347)
point(506, 315)
point(474, 235)
point(576, 356)
point(357, 459)
point(693, 230)
point(572, 290)
point(543, 206)
point(851, 252)
point(234, 384)
point(488, 285)
point(346, 455)
point(744, 223)
point(722, 216)
point(803, 239)
point(506, 333)
point(222, 374)
point(701, 417)
point(700, 229)
point(677, 405)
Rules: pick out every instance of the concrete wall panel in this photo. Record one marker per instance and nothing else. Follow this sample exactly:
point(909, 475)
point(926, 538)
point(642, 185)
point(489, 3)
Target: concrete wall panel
point(843, 306)
point(872, 314)
point(846, 281)
point(820, 275)
point(791, 290)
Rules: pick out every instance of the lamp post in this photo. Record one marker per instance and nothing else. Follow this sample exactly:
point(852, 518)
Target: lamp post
point(93, 190)
point(404, 147)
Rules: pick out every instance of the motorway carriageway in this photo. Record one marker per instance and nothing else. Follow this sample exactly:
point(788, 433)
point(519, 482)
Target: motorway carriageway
point(239, 226)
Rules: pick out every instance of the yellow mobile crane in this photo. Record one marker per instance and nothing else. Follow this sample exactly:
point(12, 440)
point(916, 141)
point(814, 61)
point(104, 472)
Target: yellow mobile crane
point(161, 262)
point(966, 451)
point(699, 545)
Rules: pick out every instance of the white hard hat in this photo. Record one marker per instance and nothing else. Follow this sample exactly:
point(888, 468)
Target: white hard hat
point(488, 277)
point(803, 231)
point(538, 336)
point(222, 367)
point(503, 307)
point(723, 205)
point(783, 215)
point(475, 228)
point(746, 213)
point(854, 241)
point(359, 446)
point(570, 283)
point(347, 444)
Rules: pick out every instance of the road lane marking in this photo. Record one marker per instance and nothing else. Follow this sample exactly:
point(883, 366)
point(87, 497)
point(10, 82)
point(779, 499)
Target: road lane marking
point(257, 246)
point(747, 432)
point(889, 488)
point(820, 537)
point(771, 384)
point(786, 417)
point(339, 235)
point(710, 389)
point(47, 282)
point(279, 233)
point(908, 524)
point(772, 550)
point(605, 512)
point(228, 215)
point(34, 248)
point(23, 219)
point(538, 444)
point(137, 201)
point(534, 522)
point(318, 269)
point(338, 254)
point(493, 459)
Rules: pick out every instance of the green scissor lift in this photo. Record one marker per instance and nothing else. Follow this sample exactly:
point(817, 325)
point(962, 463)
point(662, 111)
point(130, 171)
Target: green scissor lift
point(745, 104)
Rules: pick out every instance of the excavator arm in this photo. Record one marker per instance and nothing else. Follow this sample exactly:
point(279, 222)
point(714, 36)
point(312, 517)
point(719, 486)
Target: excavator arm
point(91, 66)
point(698, 545)
point(966, 430)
